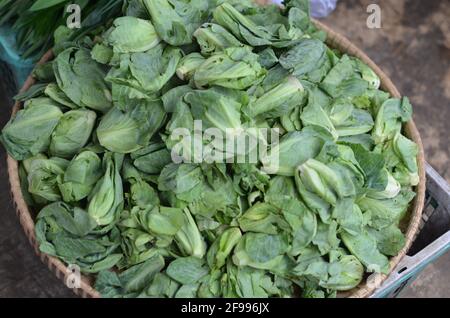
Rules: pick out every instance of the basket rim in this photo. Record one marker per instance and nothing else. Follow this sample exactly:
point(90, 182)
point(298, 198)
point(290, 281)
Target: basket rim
point(335, 40)
point(340, 42)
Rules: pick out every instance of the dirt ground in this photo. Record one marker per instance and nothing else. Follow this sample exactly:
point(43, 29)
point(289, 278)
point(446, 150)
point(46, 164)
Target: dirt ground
point(412, 47)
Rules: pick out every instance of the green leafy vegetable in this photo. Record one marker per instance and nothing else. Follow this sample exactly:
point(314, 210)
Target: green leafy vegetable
point(82, 79)
point(125, 131)
point(81, 175)
point(130, 34)
point(29, 132)
point(106, 199)
point(72, 133)
point(187, 270)
point(235, 67)
point(175, 20)
point(364, 247)
point(34, 22)
point(43, 177)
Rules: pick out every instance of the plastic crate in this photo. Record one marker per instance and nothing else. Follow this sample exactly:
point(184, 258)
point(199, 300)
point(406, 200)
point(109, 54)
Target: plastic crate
point(432, 241)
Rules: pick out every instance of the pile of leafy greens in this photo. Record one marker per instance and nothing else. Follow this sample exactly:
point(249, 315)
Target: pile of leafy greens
point(312, 219)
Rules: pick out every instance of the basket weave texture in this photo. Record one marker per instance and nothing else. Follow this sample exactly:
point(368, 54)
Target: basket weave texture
point(365, 289)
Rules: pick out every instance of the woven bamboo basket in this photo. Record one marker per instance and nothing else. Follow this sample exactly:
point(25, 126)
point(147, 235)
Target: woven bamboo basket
point(335, 40)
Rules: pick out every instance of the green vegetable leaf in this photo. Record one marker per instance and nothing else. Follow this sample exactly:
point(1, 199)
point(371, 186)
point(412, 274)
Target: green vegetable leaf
point(187, 270)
